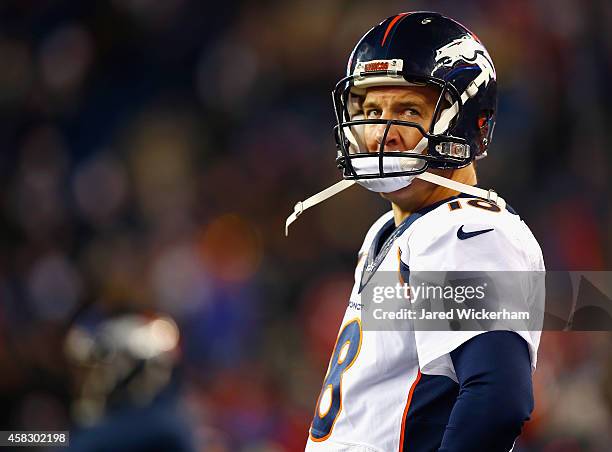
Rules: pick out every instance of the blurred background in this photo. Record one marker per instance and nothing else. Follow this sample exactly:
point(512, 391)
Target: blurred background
point(151, 151)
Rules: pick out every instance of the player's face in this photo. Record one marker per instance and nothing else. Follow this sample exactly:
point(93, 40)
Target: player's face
point(414, 104)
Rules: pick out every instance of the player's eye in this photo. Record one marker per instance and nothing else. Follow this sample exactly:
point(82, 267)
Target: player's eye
point(373, 114)
point(411, 112)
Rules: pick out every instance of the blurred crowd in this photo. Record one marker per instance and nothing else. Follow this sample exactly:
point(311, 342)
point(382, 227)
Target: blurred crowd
point(153, 148)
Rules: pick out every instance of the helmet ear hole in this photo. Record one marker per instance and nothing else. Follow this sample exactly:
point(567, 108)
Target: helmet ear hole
point(482, 120)
point(485, 120)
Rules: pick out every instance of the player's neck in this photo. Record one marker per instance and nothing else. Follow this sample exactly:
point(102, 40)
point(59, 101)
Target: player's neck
point(465, 175)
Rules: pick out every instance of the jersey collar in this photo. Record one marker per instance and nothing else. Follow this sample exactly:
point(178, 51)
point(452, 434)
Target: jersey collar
point(377, 253)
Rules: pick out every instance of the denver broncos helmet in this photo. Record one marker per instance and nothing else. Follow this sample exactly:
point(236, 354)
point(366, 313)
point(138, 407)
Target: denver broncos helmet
point(422, 49)
point(414, 49)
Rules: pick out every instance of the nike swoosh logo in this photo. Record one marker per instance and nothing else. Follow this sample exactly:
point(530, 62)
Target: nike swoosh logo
point(462, 235)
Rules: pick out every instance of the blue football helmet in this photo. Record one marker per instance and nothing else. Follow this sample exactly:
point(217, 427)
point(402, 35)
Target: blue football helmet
point(422, 49)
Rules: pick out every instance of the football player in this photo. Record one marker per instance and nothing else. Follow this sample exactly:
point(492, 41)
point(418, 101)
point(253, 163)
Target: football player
point(416, 109)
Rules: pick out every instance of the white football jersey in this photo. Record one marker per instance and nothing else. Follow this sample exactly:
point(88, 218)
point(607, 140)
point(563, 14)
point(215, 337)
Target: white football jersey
point(386, 389)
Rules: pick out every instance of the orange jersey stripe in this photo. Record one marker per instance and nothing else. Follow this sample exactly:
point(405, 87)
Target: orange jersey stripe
point(416, 381)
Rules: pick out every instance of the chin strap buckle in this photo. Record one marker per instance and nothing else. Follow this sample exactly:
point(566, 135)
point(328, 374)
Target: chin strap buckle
point(298, 208)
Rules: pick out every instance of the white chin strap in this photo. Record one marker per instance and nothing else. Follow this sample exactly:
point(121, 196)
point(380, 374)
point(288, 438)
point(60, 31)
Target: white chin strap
point(488, 195)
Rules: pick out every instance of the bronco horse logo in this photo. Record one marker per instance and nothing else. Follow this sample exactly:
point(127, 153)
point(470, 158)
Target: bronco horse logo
point(465, 49)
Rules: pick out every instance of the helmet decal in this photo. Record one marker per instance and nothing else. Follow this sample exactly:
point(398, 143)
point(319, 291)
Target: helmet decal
point(465, 49)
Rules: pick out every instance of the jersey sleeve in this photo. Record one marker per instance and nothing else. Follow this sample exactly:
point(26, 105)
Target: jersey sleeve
point(491, 247)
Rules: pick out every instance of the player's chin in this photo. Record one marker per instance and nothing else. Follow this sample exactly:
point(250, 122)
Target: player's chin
point(398, 195)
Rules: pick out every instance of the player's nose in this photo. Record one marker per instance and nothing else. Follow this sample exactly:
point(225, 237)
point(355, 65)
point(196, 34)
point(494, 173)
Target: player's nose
point(392, 138)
